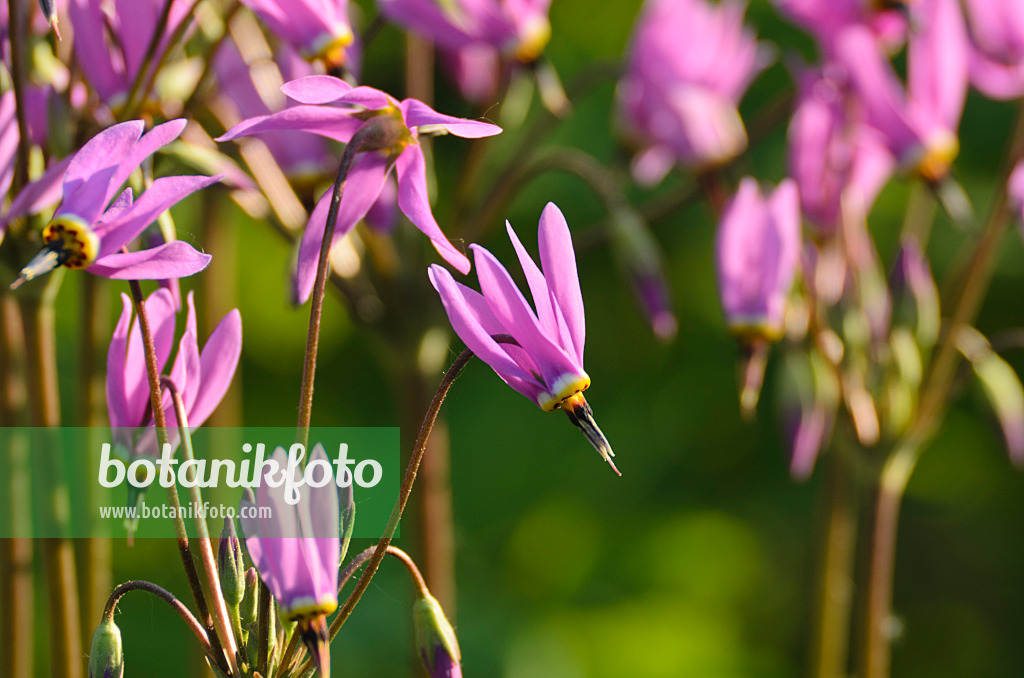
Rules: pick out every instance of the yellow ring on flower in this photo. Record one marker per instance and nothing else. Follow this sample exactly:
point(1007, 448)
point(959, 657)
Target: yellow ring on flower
point(566, 387)
point(304, 608)
point(79, 243)
point(534, 41)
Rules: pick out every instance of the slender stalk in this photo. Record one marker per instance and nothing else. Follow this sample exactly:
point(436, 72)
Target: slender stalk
point(410, 566)
point(51, 492)
point(16, 590)
point(186, 615)
point(221, 618)
point(830, 652)
point(16, 34)
point(181, 535)
point(263, 629)
point(935, 390)
point(362, 136)
point(92, 554)
point(143, 81)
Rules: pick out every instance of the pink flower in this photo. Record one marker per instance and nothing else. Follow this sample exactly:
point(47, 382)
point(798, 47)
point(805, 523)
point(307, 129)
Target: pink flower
point(997, 47)
point(919, 124)
point(546, 362)
point(688, 65)
point(317, 28)
point(91, 227)
point(832, 152)
point(757, 253)
point(297, 551)
point(112, 36)
point(368, 176)
point(826, 19)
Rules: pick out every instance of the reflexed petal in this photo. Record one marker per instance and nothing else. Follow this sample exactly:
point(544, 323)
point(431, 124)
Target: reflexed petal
point(316, 89)
point(162, 195)
point(414, 203)
point(117, 401)
point(175, 259)
point(88, 177)
point(558, 260)
point(333, 123)
point(150, 143)
point(509, 306)
point(40, 194)
point(160, 315)
point(218, 362)
point(418, 113)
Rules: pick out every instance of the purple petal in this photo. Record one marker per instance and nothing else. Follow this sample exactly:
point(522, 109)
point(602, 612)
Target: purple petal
point(937, 63)
point(414, 203)
point(117, 401)
point(417, 114)
point(467, 322)
point(40, 194)
point(173, 260)
point(364, 184)
point(88, 177)
point(316, 89)
point(509, 307)
point(218, 363)
point(165, 192)
point(150, 143)
point(558, 260)
point(333, 123)
point(160, 314)
point(542, 298)
point(325, 525)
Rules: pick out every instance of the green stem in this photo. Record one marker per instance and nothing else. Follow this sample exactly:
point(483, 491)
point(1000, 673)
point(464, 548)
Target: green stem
point(835, 584)
point(220, 609)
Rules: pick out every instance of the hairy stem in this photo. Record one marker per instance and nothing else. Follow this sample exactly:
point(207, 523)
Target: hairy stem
point(138, 585)
point(160, 421)
point(221, 618)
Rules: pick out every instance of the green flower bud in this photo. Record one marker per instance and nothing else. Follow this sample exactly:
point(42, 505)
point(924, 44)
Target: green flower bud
point(106, 655)
point(248, 609)
point(435, 639)
point(231, 565)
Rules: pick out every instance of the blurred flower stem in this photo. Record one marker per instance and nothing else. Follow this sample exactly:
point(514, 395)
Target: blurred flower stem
point(16, 590)
point(834, 592)
point(221, 617)
point(184, 549)
point(969, 289)
point(93, 554)
point(50, 487)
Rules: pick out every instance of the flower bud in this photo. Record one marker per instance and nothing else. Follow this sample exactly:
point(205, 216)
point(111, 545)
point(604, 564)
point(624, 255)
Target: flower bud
point(640, 256)
point(106, 655)
point(435, 639)
point(231, 565)
point(247, 610)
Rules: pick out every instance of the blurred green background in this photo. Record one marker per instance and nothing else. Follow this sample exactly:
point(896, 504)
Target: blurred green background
point(699, 560)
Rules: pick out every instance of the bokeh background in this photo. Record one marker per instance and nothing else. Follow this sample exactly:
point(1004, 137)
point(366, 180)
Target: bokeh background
point(699, 560)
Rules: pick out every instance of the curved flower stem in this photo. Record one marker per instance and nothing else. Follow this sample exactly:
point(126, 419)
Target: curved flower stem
point(139, 585)
point(320, 286)
point(220, 608)
point(184, 549)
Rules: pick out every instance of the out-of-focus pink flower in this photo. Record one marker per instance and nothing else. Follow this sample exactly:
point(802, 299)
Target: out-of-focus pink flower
point(474, 34)
point(244, 90)
point(831, 152)
point(91, 227)
point(354, 108)
point(546, 362)
point(296, 551)
point(111, 39)
point(997, 47)
point(826, 19)
point(757, 252)
point(688, 66)
point(317, 28)
point(919, 124)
